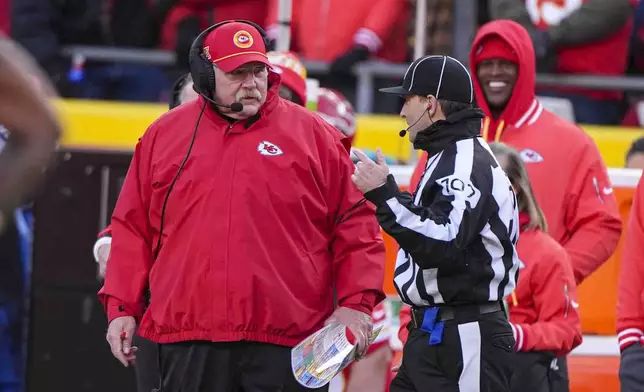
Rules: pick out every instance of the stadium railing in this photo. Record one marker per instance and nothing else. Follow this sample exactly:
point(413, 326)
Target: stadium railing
point(366, 72)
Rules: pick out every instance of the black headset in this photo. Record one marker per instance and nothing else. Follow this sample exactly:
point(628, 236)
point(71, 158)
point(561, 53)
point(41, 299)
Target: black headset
point(203, 74)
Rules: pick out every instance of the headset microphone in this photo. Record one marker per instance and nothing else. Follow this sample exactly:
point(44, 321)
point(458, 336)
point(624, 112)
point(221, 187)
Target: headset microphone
point(235, 106)
point(403, 132)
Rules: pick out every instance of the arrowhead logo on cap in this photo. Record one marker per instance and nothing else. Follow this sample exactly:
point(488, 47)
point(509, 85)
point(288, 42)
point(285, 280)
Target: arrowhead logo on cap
point(242, 39)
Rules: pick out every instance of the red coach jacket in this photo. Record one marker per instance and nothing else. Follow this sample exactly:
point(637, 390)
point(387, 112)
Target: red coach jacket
point(567, 172)
point(261, 225)
point(630, 295)
point(543, 308)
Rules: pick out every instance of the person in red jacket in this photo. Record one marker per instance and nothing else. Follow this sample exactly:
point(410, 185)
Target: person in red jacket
point(630, 299)
point(569, 176)
point(241, 232)
point(543, 308)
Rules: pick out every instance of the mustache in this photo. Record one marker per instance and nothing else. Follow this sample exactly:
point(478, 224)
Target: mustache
point(241, 94)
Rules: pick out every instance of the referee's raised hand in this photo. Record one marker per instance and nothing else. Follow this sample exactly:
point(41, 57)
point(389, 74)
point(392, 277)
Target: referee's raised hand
point(368, 174)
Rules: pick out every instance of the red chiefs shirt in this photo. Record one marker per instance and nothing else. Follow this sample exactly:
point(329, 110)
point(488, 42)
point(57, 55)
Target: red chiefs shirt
point(605, 57)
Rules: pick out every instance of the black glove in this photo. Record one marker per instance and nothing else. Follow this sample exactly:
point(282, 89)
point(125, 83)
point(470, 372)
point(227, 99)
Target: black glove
point(344, 63)
point(544, 51)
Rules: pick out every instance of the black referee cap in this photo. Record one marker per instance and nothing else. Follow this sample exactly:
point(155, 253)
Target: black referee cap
point(441, 76)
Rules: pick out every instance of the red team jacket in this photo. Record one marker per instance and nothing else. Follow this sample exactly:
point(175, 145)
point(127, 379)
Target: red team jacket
point(262, 222)
point(630, 295)
point(543, 307)
point(567, 172)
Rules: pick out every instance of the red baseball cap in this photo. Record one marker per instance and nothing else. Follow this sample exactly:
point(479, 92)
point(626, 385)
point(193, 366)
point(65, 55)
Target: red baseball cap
point(234, 44)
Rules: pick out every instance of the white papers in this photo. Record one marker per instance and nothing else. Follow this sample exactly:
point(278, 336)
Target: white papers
point(321, 356)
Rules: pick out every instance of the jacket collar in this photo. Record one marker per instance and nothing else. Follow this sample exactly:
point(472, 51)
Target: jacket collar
point(464, 124)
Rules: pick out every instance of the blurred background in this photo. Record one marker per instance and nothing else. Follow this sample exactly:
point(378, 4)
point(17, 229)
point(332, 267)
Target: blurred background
point(114, 62)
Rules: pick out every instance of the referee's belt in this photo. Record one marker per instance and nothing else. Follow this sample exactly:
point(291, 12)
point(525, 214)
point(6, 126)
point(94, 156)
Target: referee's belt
point(464, 313)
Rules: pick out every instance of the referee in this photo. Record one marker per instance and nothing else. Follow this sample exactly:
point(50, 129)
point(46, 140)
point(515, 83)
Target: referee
point(457, 235)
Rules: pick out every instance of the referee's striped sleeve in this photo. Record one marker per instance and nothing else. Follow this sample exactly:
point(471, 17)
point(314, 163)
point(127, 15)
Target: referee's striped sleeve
point(456, 213)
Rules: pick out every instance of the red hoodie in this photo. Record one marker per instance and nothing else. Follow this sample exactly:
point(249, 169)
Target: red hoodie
point(261, 224)
point(543, 308)
point(568, 174)
point(630, 294)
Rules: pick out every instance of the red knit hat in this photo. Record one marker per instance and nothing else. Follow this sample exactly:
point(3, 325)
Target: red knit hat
point(495, 47)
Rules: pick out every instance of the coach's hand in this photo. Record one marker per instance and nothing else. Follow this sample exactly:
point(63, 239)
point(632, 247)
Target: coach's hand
point(370, 175)
point(119, 336)
point(360, 324)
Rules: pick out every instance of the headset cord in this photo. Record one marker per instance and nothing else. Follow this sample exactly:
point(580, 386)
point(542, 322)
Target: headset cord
point(174, 180)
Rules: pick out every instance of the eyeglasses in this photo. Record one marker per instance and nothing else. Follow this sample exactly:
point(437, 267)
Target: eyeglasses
point(242, 73)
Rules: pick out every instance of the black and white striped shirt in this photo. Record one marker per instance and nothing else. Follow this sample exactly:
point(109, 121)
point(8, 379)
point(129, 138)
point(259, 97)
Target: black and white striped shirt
point(457, 235)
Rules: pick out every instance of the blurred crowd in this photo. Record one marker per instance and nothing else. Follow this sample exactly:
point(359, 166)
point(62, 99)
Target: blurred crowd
point(596, 37)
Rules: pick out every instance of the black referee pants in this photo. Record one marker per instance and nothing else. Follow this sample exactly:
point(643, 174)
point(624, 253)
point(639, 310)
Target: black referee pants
point(198, 366)
point(476, 354)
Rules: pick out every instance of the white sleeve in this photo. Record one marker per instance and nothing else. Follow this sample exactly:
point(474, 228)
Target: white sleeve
point(106, 240)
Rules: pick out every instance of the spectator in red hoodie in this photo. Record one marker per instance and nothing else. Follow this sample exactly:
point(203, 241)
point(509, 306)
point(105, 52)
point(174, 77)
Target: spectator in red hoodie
point(569, 176)
point(630, 299)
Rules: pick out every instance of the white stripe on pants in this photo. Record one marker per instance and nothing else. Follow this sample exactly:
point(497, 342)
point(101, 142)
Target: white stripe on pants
point(470, 337)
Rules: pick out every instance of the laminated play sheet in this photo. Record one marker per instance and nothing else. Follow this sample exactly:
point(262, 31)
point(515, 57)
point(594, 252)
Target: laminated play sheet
point(321, 356)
